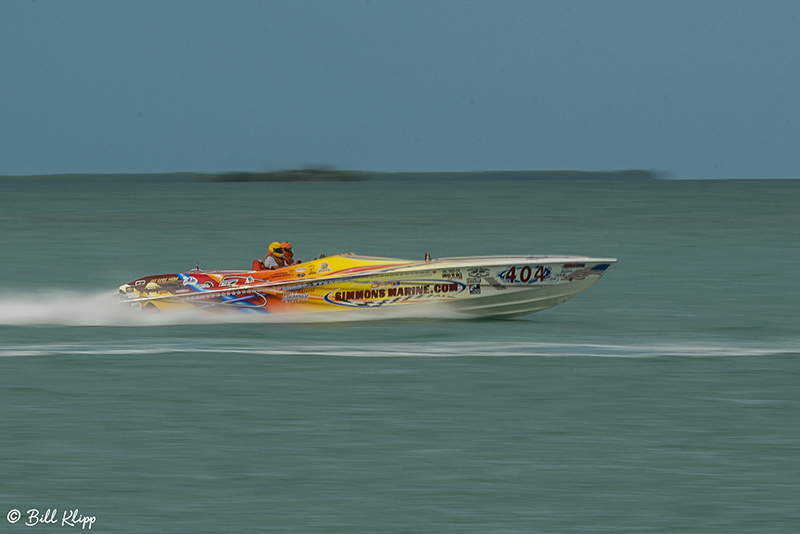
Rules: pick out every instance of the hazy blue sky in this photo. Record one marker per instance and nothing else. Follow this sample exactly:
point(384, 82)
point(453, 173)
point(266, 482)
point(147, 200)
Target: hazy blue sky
point(697, 88)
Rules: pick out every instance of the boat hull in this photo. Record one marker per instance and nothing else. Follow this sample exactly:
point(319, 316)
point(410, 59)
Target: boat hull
point(349, 285)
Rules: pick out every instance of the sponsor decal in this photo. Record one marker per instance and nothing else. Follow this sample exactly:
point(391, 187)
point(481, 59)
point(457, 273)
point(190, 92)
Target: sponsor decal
point(306, 285)
point(477, 272)
point(377, 285)
point(230, 281)
point(195, 284)
point(165, 279)
point(294, 297)
point(390, 295)
point(451, 274)
point(582, 274)
point(474, 289)
point(158, 280)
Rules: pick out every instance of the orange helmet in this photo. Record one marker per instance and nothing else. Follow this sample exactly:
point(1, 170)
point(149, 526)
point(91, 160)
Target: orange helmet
point(287, 247)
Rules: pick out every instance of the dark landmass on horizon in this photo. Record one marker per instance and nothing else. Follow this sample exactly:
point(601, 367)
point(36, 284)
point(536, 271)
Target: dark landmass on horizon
point(323, 175)
point(330, 175)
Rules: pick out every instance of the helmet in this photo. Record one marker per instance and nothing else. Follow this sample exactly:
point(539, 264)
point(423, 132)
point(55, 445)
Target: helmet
point(276, 249)
point(287, 247)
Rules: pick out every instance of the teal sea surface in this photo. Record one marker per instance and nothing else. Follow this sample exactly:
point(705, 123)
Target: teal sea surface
point(664, 399)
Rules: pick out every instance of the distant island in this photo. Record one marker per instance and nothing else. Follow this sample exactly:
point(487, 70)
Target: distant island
point(332, 175)
point(325, 175)
point(292, 175)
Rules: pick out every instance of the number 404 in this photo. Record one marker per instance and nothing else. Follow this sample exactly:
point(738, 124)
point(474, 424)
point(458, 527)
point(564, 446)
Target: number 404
point(526, 274)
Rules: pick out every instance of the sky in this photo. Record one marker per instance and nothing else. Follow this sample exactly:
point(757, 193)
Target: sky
point(699, 89)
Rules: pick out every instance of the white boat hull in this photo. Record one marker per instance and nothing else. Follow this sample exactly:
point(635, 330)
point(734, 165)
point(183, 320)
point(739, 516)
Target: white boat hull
point(352, 286)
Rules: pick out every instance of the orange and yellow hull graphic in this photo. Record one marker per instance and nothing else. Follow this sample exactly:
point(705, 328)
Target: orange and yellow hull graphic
point(475, 286)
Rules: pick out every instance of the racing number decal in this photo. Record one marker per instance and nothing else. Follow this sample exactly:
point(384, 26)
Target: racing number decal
point(525, 274)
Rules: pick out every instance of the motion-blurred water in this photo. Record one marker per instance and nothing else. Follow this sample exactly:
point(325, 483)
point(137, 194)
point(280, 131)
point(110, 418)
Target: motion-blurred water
point(664, 399)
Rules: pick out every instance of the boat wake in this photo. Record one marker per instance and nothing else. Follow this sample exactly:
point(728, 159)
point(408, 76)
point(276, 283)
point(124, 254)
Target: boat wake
point(64, 308)
point(72, 309)
point(104, 309)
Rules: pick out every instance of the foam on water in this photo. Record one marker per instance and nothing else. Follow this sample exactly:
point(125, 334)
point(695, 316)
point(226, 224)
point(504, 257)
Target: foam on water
point(64, 308)
point(73, 309)
point(428, 349)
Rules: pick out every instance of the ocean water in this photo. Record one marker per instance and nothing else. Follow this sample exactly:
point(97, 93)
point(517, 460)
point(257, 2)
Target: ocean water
point(666, 398)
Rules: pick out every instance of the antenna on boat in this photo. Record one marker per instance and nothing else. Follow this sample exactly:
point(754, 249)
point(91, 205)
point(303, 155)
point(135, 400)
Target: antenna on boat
point(427, 256)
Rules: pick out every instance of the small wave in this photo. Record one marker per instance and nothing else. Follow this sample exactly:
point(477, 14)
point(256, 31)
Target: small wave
point(433, 349)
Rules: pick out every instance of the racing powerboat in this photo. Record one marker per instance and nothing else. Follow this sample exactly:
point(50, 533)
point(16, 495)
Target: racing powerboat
point(464, 287)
